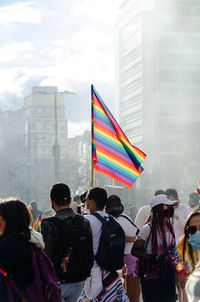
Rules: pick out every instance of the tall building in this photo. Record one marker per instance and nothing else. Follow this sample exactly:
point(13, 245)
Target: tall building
point(45, 138)
point(12, 154)
point(29, 146)
point(158, 72)
point(80, 162)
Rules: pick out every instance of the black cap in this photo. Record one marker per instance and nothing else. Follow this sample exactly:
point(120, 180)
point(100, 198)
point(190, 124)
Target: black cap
point(60, 192)
point(114, 205)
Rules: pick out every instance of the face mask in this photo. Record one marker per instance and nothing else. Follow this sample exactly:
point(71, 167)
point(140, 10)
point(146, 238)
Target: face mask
point(194, 240)
point(169, 212)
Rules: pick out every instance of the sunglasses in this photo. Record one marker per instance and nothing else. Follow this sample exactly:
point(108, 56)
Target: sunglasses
point(191, 229)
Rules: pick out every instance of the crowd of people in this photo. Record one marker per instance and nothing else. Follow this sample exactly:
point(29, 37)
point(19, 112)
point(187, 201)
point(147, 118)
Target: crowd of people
point(102, 254)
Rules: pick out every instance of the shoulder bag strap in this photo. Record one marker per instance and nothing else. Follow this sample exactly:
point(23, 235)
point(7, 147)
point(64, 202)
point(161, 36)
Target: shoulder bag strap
point(131, 223)
point(147, 241)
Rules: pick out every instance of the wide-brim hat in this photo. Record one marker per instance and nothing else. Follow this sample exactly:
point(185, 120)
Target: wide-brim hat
point(162, 199)
point(114, 205)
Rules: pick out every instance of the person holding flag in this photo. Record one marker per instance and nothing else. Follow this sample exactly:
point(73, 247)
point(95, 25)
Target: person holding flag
point(37, 226)
point(35, 231)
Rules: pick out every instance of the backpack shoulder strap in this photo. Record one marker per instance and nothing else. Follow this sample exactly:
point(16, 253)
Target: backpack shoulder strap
point(85, 224)
point(97, 215)
point(130, 222)
point(79, 218)
point(57, 221)
point(147, 241)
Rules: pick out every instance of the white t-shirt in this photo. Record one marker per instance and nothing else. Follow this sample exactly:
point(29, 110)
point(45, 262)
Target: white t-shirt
point(182, 211)
point(96, 225)
point(142, 216)
point(129, 230)
point(193, 285)
point(144, 234)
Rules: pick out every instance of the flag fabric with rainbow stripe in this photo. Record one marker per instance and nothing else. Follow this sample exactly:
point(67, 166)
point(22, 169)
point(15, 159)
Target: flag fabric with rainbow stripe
point(112, 153)
point(37, 226)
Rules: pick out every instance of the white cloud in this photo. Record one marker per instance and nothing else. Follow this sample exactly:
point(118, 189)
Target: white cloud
point(12, 51)
point(13, 80)
point(98, 11)
point(20, 13)
point(85, 56)
point(68, 44)
point(77, 128)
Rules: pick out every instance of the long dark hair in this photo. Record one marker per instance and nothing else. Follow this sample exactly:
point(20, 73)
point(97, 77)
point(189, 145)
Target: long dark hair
point(17, 217)
point(157, 226)
point(186, 251)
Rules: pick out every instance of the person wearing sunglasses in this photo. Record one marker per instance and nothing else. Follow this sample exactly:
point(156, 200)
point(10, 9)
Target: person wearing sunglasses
point(189, 247)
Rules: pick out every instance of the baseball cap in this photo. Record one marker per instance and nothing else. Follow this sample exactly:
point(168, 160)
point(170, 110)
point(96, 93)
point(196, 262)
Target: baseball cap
point(162, 199)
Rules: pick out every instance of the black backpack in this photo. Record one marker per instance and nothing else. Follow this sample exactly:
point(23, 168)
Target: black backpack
point(110, 254)
point(74, 255)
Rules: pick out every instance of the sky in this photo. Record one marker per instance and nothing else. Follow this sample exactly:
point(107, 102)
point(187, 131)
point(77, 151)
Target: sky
point(65, 43)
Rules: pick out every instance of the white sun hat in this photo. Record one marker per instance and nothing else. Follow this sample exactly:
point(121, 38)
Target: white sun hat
point(162, 199)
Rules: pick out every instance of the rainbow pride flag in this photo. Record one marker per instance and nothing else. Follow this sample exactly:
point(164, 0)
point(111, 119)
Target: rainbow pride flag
point(3, 272)
point(37, 226)
point(112, 153)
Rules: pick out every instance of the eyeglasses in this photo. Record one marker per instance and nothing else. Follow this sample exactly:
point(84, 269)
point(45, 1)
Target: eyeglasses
point(191, 229)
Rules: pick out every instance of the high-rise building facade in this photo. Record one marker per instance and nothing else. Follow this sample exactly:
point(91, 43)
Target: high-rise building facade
point(12, 154)
point(28, 155)
point(158, 72)
point(45, 131)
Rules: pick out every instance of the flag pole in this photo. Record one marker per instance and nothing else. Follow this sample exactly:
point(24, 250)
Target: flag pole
point(92, 174)
point(92, 161)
